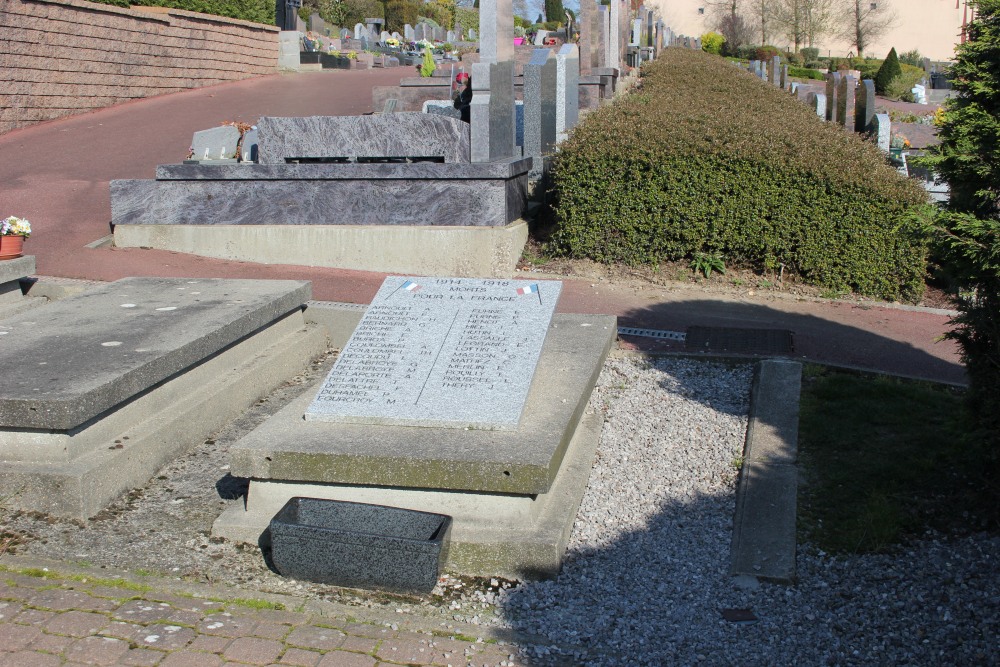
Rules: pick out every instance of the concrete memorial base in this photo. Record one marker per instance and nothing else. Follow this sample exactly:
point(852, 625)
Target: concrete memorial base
point(103, 388)
point(12, 299)
point(513, 494)
point(407, 249)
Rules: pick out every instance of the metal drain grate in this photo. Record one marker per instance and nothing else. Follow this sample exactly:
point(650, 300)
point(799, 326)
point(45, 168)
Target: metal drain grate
point(745, 341)
point(652, 333)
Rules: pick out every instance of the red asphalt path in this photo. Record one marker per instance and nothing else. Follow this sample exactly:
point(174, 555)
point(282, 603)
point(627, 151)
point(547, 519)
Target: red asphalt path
point(57, 175)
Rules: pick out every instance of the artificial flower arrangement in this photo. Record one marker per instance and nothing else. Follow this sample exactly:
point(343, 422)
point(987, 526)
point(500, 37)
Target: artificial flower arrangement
point(423, 44)
point(392, 41)
point(13, 226)
point(899, 141)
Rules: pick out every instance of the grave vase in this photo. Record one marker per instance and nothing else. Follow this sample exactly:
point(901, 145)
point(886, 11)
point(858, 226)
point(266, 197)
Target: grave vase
point(11, 247)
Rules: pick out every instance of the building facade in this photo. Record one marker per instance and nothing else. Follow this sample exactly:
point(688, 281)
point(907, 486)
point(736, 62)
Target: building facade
point(932, 27)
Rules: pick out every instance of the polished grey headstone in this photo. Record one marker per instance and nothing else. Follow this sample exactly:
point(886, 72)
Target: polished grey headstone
point(567, 90)
point(832, 92)
point(408, 134)
point(78, 357)
point(540, 103)
point(864, 110)
point(496, 31)
point(218, 143)
point(450, 352)
point(487, 194)
point(845, 102)
point(493, 122)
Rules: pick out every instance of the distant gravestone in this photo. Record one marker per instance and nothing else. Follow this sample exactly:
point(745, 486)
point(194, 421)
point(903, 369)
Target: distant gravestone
point(384, 36)
point(864, 110)
point(635, 36)
point(450, 37)
point(784, 77)
point(832, 90)
point(439, 34)
point(218, 143)
point(409, 33)
point(845, 102)
point(567, 90)
point(345, 33)
point(819, 100)
point(473, 36)
point(446, 352)
point(248, 147)
point(360, 31)
point(774, 75)
point(540, 103)
point(882, 127)
point(420, 32)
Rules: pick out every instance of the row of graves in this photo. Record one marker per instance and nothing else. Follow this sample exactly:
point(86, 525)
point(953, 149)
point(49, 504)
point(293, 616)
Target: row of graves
point(451, 432)
point(406, 192)
point(850, 102)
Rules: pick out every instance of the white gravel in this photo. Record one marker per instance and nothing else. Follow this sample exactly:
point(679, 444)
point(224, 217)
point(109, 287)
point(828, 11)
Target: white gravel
point(646, 577)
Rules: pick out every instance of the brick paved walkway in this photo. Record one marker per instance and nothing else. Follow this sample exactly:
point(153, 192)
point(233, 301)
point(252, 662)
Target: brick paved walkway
point(56, 618)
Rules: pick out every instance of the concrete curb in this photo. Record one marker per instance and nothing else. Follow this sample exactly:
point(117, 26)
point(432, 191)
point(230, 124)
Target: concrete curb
point(763, 543)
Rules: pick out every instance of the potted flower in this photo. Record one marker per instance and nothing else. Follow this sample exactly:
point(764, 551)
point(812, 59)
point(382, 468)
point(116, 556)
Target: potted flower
point(897, 144)
point(13, 232)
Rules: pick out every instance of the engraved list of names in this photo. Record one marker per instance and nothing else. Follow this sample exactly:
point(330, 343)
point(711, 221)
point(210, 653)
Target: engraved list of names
point(453, 352)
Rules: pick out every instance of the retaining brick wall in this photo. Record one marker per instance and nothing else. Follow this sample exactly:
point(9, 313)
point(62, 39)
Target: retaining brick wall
point(63, 57)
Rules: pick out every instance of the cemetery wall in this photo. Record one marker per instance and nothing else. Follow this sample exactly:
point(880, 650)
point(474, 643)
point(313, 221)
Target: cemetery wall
point(65, 57)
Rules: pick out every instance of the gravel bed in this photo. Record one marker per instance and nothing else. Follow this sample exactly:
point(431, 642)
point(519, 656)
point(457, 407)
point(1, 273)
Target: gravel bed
point(646, 575)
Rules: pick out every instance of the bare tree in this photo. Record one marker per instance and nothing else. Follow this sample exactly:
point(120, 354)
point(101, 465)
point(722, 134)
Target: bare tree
point(762, 17)
point(820, 19)
point(865, 21)
point(729, 20)
point(789, 18)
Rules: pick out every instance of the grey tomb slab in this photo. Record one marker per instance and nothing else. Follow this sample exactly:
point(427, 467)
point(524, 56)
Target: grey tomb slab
point(447, 352)
point(78, 357)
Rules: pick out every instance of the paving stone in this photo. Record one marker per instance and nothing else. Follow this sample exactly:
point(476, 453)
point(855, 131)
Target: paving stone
point(254, 650)
point(121, 630)
point(300, 657)
point(8, 610)
point(17, 637)
point(184, 616)
point(113, 592)
point(210, 643)
point(77, 624)
point(51, 643)
point(191, 659)
point(342, 659)
point(408, 649)
point(164, 637)
point(366, 630)
point(28, 659)
point(283, 617)
point(34, 617)
point(311, 636)
point(142, 657)
point(96, 650)
point(227, 625)
point(268, 630)
point(13, 592)
point(143, 611)
point(59, 599)
point(360, 644)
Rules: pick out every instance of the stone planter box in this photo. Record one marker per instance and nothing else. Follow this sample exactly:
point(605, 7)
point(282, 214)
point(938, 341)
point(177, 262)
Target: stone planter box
point(358, 545)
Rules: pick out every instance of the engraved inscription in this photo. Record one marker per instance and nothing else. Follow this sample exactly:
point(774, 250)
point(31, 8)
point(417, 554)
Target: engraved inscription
point(441, 351)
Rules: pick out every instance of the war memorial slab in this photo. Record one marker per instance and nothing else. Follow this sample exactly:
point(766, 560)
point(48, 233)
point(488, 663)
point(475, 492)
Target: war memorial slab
point(449, 352)
point(512, 484)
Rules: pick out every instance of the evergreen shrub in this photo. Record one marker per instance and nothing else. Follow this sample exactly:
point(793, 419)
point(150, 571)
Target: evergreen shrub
point(889, 70)
point(704, 158)
point(806, 73)
point(258, 11)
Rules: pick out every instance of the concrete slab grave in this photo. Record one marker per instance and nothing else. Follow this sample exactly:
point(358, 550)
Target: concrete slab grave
point(100, 389)
point(512, 485)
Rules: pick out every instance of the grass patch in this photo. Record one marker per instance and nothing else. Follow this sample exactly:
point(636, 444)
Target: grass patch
point(884, 459)
point(255, 603)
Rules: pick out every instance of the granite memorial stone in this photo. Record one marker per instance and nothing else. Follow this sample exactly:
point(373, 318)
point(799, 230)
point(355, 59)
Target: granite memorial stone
point(540, 104)
point(449, 352)
point(864, 113)
point(218, 143)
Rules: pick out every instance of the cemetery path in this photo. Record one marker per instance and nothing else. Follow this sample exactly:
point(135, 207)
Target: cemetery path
point(57, 175)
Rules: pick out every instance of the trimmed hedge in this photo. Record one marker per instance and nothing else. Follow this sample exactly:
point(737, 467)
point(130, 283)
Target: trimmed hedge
point(258, 11)
point(706, 158)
